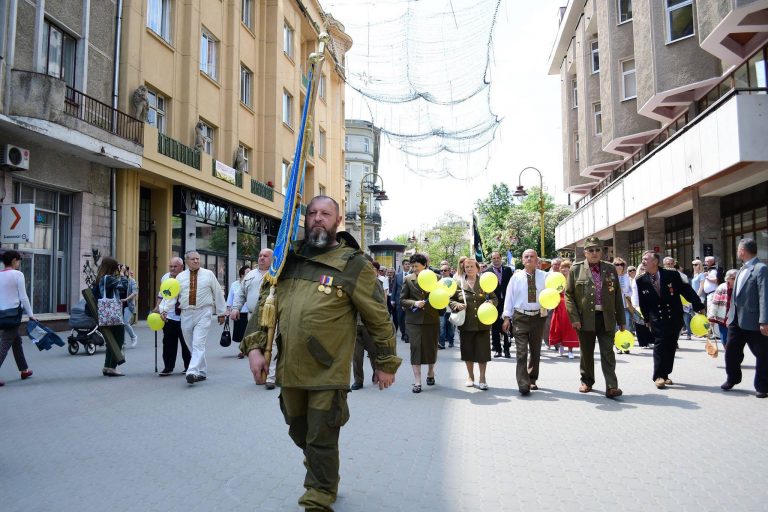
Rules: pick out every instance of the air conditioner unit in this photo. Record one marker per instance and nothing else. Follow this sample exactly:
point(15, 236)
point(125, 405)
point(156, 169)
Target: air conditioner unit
point(14, 157)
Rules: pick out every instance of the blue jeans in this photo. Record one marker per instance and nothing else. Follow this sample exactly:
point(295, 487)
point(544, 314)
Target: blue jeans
point(723, 333)
point(446, 330)
point(687, 315)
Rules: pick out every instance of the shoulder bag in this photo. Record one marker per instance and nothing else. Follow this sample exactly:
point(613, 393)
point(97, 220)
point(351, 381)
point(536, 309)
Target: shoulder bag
point(110, 310)
point(226, 337)
point(457, 317)
point(10, 318)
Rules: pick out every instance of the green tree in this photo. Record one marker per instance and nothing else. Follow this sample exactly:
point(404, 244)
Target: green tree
point(448, 239)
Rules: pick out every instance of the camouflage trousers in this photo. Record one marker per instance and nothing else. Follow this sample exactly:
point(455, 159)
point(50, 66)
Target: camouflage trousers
point(314, 420)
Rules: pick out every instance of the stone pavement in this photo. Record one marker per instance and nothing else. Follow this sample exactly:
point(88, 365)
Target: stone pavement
point(73, 440)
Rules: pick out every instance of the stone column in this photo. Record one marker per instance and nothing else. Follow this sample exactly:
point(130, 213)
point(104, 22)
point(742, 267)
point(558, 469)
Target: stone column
point(190, 230)
point(654, 233)
point(620, 243)
point(707, 227)
point(232, 256)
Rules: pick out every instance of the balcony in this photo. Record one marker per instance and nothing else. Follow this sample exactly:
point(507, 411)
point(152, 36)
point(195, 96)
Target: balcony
point(262, 190)
point(178, 151)
point(43, 109)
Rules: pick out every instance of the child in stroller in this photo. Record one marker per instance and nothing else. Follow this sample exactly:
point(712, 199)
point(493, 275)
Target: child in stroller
point(85, 331)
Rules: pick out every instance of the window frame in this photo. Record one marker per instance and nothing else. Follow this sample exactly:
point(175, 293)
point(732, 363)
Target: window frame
point(321, 143)
point(594, 53)
point(576, 148)
point(624, 75)
point(285, 170)
point(246, 86)
point(597, 117)
point(288, 39)
point(366, 145)
point(574, 93)
point(321, 86)
point(211, 58)
point(619, 21)
point(63, 68)
point(159, 113)
point(246, 13)
point(668, 10)
point(246, 157)
point(165, 19)
point(287, 108)
point(209, 137)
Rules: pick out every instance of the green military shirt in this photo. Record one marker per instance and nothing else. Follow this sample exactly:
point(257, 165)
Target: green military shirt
point(580, 296)
point(319, 294)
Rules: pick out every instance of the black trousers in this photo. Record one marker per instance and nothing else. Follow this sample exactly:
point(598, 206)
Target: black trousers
point(496, 336)
point(664, 355)
point(172, 336)
point(393, 313)
point(401, 321)
point(734, 355)
point(363, 342)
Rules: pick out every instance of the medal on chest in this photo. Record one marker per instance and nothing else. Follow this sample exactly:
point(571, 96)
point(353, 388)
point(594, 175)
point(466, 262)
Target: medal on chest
point(325, 284)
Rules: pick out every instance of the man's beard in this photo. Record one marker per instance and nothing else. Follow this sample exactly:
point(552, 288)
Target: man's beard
point(319, 237)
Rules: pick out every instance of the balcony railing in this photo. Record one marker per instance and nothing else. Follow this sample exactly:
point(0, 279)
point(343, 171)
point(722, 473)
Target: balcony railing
point(746, 79)
point(101, 115)
point(178, 151)
point(262, 190)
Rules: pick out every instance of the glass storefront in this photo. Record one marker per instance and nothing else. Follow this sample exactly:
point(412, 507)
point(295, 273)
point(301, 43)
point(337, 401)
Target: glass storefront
point(636, 246)
point(744, 215)
point(678, 240)
point(45, 262)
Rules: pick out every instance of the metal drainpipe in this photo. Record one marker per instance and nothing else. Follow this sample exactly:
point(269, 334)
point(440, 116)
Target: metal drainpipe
point(115, 94)
point(10, 52)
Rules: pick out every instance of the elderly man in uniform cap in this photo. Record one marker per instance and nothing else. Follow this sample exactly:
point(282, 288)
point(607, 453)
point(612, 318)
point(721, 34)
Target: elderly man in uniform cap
point(595, 307)
point(325, 283)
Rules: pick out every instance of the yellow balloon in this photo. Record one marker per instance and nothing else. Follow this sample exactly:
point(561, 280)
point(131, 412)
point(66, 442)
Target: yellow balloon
point(427, 280)
point(624, 340)
point(556, 281)
point(685, 302)
point(549, 298)
point(488, 282)
point(439, 297)
point(450, 284)
point(170, 288)
point(155, 321)
point(487, 313)
point(699, 325)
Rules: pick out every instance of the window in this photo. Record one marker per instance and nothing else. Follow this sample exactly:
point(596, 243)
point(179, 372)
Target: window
point(288, 40)
point(321, 86)
point(159, 18)
point(575, 146)
point(285, 172)
point(624, 8)
point(208, 57)
point(366, 145)
point(574, 94)
point(628, 84)
point(246, 152)
point(287, 108)
point(321, 190)
point(594, 51)
point(346, 143)
point(321, 144)
point(157, 110)
point(207, 132)
point(679, 19)
point(247, 13)
point(597, 113)
point(61, 54)
point(246, 85)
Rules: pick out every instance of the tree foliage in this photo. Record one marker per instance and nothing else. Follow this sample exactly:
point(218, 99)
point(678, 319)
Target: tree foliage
point(506, 225)
point(447, 240)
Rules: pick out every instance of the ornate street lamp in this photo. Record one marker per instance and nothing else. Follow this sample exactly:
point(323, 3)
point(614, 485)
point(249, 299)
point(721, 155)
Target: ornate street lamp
point(520, 193)
point(378, 195)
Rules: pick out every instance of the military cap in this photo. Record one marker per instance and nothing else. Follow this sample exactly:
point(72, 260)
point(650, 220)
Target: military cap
point(592, 241)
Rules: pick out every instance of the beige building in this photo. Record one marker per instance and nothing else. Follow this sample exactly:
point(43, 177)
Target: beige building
point(661, 104)
point(225, 84)
point(363, 186)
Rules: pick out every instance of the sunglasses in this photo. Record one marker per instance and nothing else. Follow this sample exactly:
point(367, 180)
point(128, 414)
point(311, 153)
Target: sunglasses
point(593, 249)
point(619, 264)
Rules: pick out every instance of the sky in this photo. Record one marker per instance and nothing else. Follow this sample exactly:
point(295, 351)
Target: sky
point(522, 94)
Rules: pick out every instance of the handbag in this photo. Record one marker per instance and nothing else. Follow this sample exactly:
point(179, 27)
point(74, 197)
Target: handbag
point(110, 310)
point(10, 318)
point(226, 337)
point(457, 317)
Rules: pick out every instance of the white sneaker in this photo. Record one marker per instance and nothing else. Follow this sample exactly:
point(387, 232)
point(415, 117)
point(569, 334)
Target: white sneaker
point(562, 351)
point(469, 383)
point(483, 386)
point(570, 355)
point(134, 342)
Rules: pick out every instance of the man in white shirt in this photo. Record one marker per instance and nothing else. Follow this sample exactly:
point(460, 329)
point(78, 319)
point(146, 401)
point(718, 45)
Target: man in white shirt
point(522, 310)
point(172, 335)
point(249, 294)
point(200, 297)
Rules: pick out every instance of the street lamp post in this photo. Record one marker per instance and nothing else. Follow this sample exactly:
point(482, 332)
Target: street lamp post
point(379, 195)
point(520, 192)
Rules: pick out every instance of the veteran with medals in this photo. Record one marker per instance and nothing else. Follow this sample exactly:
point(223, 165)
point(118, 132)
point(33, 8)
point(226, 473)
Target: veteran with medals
point(595, 307)
point(325, 283)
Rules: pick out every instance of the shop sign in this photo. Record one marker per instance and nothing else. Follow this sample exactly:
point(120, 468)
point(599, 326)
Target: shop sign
point(18, 223)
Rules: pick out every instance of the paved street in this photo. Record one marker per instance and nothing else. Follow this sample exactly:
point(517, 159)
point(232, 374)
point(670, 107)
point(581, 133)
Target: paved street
point(74, 440)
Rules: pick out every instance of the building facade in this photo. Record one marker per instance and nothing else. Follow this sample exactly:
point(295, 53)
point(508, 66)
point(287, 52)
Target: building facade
point(361, 169)
point(160, 126)
point(664, 104)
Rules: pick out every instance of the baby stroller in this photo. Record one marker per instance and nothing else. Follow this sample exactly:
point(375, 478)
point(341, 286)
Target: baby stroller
point(85, 331)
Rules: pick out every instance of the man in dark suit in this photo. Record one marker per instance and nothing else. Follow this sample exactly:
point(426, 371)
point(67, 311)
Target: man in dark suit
point(659, 292)
point(395, 297)
point(748, 320)
point(503, 274)
point(595, 307)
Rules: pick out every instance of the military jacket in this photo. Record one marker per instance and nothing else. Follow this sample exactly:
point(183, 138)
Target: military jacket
point(475, 297)
point(412, 293)
point(664, 312)
point(317, 326)
point(580, 297)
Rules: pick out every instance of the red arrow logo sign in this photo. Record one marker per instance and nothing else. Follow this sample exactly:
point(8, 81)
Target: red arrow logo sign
point(18, 217)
